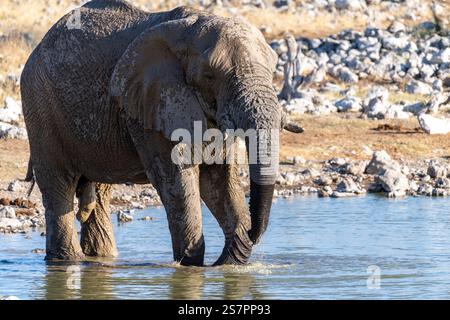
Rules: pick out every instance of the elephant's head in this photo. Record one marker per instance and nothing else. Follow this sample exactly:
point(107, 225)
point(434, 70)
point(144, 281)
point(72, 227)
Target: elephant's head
point(199, 66)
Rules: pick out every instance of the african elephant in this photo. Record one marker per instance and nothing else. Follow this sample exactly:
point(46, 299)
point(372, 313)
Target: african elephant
point(100, 103)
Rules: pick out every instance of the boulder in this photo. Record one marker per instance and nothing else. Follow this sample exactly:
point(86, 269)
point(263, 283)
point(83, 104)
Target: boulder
point(393, 182)
point(418, 87)
point(433, 125)
point(380, 162)
point(7, 212)
point(10, 223)
point(347, 185)
point(348, 104)
point(9, 131)
point(124, 217)
point(435, 170)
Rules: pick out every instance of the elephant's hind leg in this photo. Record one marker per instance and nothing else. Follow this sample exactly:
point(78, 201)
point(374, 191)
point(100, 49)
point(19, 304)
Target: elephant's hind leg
point(221, 190)
point(58, 191)
point(97, 235)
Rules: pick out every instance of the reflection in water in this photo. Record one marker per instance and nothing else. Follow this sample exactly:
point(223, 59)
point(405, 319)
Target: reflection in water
point(75, 281)
point(187, 283)
point(314, 249)
point(95, 281)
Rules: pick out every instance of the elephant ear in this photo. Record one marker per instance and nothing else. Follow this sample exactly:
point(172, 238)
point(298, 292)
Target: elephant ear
point(149, 80)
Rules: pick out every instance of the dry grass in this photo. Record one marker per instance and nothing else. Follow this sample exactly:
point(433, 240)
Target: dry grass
point(347, 136)
point(13, 160)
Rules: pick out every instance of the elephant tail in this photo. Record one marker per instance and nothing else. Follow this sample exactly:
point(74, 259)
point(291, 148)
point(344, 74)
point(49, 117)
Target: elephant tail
point(30, 177)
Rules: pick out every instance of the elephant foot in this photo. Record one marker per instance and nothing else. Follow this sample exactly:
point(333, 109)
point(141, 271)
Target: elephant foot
point(193, 256)
point(64, 255)
point(192, 261)
point(236, 252)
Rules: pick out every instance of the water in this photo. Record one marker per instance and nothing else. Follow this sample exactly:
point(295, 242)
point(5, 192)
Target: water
point(314, 249)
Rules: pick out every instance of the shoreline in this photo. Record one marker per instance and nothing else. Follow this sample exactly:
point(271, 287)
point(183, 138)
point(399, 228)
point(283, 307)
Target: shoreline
point(335, 177)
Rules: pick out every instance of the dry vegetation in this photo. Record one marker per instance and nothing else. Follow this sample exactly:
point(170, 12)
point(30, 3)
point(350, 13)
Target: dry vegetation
point(349, 136)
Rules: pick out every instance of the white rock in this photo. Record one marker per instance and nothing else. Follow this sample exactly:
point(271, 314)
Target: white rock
point(435, 170)
point(11, 112)
point(393, 182)
point(433, 125)
point(396, 111)
point(14, 186)
point(418, 87)
point(348, 104)
point(10, 223)
point(350, 4)
point(442, 56)
point(9, 131)
point(7, 212)
point(124, 217)
point(380, 162)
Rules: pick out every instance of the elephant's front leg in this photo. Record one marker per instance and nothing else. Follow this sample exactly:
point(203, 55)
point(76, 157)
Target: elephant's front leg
point(179, 191)
point(97, 234)
point(223, 194)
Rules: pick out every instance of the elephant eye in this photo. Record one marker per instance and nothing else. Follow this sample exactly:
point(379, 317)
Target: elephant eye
point(208, 76)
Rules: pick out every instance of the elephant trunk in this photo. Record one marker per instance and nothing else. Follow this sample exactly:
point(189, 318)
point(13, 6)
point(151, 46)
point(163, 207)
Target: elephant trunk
point(262, 182)
point(256, 109)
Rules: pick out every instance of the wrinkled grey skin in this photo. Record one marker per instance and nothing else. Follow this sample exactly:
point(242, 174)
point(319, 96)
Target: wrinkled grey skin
point(100, 104)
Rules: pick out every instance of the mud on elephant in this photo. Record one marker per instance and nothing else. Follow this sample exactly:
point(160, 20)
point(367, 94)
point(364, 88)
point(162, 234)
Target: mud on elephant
point(101, 101)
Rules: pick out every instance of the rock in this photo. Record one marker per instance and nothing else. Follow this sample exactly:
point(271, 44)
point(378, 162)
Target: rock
point(433, 125)
point(435, 170)
point(281, 3)
point(442, 182)
point(14, 186)
point(38, 251)
point(324, 180)
point(439, 192)
point(418, 87)
point(395, 111)
point(146, 218)
point(337, 194)
point(7, 212)
point(11, 223)
point(348, 104)
point(347, 185)
point(415, 108)
point(425, 189)
point(8, 131)
point(297, 160)
point(344, 74)
point(11, 112)
point(124, 217)
point(325, 192)
point(380, 162)
point(396, 27)
point(437, 101)
point(355, 168)
point(349, 4)
point(442, 56)
point(336, 162)
point(394, 182)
